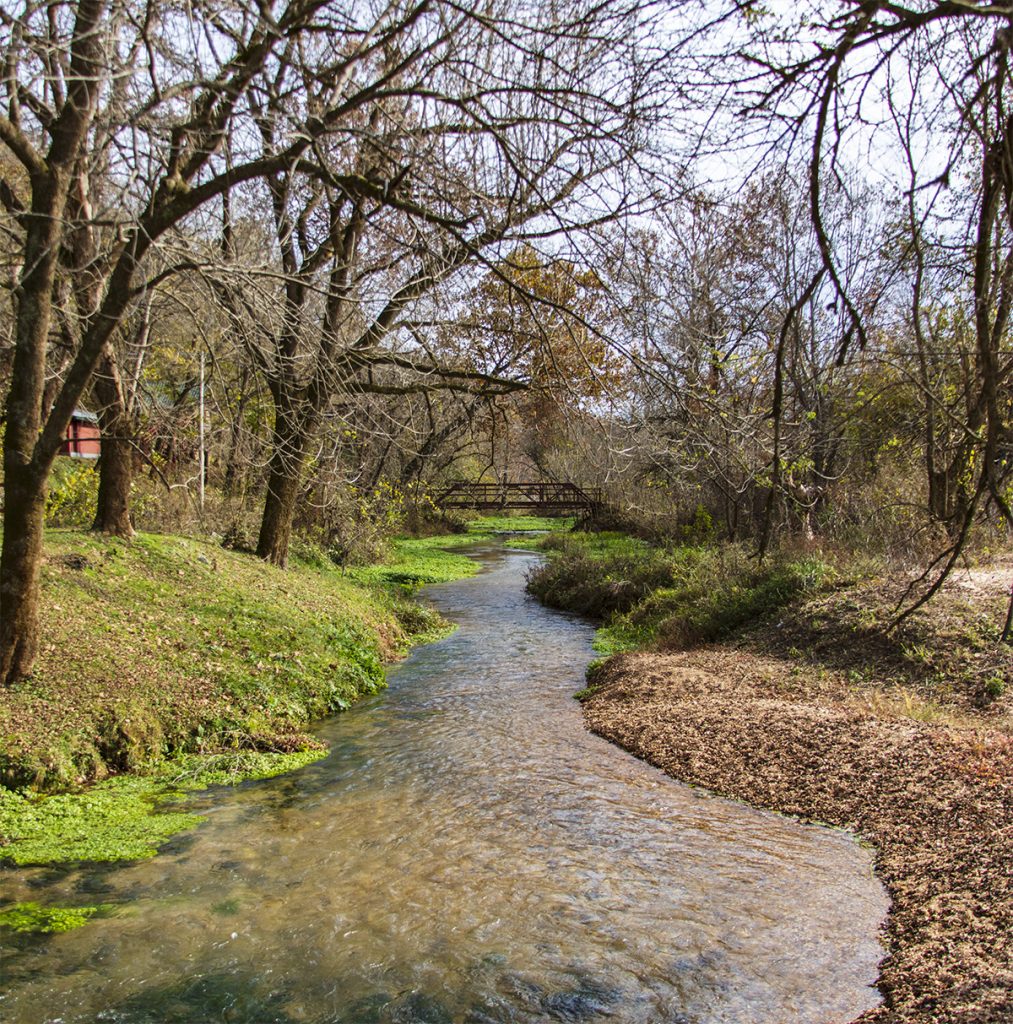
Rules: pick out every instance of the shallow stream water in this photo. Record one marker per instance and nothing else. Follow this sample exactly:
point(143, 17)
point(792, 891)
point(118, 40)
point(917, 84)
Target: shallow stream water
point(466, 853)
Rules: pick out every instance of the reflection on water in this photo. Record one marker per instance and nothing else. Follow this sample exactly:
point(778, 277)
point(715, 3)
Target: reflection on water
point(467, 853)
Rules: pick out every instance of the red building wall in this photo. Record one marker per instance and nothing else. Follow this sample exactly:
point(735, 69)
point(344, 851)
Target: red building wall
point(83, 439)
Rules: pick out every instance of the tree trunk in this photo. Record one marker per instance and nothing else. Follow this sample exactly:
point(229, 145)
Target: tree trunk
point(232, 475)
point(949, 491)
point(27, 456)
point(24, 475)
point(279, 511)
point(116, 464)
point(116, 474)
point(24, 511)
point(289, 445)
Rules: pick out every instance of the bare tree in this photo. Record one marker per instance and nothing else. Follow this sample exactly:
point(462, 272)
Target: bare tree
point(484, 139)
point(922, 90)
point(181, 75)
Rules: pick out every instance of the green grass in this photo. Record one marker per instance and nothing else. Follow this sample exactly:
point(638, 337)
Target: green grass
point(669, 596)
point(416, 562)
point(166, 645)
point(520, 524)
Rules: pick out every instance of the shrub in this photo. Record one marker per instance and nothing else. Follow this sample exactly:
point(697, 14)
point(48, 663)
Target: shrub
point(598, 574)
point(73, 493)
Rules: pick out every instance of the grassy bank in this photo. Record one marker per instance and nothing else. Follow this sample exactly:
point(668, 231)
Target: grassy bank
point(166, 645)
point(781, 685)
point(169, 664)
point(823, 616)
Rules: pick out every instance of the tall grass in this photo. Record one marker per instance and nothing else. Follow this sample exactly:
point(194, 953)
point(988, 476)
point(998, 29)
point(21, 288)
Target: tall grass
point(667, 596)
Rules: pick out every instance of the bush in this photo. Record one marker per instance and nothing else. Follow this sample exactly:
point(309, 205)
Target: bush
point(73, 494)
point(598, 574)
point(720, 606)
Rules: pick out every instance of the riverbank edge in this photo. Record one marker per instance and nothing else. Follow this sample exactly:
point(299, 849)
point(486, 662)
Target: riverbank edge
point(935, 802)
point(119, 812)
point(798, 700)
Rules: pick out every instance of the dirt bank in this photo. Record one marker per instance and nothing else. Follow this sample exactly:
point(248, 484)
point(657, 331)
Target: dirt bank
point(935, 800)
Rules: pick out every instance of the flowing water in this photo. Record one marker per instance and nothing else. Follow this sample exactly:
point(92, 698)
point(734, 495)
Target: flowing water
point(467, 853)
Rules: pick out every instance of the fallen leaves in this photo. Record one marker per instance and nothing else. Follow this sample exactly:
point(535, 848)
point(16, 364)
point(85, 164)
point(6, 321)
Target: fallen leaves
point(936, 800)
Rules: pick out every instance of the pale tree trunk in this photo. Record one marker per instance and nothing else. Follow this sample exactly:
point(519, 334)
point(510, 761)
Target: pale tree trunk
point(232, 469)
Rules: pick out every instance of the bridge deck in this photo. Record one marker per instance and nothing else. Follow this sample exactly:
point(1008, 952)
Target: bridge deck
point(536, 496)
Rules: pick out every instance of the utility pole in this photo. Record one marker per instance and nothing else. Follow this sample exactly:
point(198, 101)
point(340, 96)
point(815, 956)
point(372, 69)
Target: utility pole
point(201, 456)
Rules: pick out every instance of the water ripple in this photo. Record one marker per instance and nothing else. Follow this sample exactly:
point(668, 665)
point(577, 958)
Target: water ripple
point(469, 853)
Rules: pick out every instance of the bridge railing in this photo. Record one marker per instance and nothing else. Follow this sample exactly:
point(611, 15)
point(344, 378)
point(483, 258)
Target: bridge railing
point(543, 495)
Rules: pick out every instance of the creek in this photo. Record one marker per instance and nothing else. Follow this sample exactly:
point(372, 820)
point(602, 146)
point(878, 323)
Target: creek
point(466, 853)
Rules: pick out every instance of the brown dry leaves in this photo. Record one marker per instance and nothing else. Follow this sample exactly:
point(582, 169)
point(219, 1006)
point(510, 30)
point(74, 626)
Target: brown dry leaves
point(937, 802)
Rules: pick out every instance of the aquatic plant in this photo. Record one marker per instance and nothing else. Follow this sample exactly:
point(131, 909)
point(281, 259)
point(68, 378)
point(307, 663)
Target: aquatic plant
point(128, 817)
point(116, 820)
point(34, 917)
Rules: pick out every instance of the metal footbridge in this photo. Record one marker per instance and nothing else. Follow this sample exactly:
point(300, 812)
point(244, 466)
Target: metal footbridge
point(544, 498)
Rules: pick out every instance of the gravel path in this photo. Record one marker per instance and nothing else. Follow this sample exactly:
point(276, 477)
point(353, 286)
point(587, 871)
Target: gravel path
point(935, 801)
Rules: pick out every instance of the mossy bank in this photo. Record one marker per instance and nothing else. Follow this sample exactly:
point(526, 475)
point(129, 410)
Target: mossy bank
point(169, 664)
